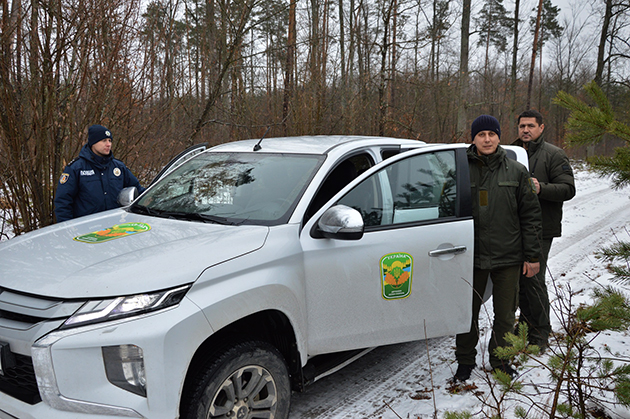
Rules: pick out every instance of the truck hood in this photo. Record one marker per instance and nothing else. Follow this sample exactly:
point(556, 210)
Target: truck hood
point(117, 253)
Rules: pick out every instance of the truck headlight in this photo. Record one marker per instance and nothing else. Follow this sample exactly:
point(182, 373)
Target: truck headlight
point(97, 311)
point(124, 366)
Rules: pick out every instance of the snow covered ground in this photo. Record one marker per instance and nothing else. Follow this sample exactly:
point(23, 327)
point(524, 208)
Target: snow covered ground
point(411, 380)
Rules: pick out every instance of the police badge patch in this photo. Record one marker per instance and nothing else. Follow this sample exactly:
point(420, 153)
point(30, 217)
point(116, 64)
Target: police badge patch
point(116, 171)
point(64, 178)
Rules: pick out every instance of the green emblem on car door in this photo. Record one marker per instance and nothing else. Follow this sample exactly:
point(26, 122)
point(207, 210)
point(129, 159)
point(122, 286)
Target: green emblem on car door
point(396, 274)
point(114, 232)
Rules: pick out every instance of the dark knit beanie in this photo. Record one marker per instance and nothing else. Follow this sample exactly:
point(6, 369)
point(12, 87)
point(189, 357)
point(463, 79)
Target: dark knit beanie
point(485, 123)
point(97, 133)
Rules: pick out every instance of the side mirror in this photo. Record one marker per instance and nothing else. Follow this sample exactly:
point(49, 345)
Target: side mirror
point(127, 195)
point(341, 222)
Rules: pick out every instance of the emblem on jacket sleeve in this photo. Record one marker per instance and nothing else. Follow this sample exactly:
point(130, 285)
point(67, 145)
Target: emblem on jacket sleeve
point(64, 178)
point(532, 185)
point(396, 275)
point(116, 171)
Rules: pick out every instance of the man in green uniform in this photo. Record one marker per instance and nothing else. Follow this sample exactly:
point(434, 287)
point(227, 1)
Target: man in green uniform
point(507, 223)
point(553, 178)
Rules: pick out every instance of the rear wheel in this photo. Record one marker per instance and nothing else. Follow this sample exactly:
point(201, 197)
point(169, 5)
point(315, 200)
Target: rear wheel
point(250, 380)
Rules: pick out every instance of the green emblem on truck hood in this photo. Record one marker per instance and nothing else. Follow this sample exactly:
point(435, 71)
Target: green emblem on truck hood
point(396, 273)
point(114, 232)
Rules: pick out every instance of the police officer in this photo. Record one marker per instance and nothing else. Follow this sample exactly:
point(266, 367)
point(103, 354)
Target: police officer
point(91, 183)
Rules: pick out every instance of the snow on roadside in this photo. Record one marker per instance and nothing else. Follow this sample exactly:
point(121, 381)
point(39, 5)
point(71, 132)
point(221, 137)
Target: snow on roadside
point(411, 380)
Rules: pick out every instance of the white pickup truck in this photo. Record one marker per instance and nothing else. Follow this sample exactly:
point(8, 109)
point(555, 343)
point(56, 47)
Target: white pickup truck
point(242, 274)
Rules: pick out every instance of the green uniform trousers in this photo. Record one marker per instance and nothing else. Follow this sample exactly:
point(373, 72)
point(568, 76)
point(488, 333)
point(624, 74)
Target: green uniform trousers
point(534, 301)
point(504, 299)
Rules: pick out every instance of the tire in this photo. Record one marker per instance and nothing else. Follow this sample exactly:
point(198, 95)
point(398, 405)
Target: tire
point(250, 380)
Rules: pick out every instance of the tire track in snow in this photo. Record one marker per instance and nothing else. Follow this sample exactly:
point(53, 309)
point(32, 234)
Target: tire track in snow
point(385, 374)
point(582, 235)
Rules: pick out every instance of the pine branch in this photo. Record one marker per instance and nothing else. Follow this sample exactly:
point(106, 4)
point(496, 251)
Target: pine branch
point(618, 166)
point(588, 124)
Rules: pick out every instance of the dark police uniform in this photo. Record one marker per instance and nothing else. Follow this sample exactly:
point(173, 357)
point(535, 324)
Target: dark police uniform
point(90, 184)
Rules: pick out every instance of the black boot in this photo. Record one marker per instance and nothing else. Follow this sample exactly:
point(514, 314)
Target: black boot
point(463, 372)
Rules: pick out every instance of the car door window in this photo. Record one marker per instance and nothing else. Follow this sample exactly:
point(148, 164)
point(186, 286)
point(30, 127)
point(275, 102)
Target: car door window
point(419, 188)
point(341, 175)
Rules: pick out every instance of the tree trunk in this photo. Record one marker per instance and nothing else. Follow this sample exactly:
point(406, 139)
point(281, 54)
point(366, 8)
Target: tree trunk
point(462, 119)
point(323, 69)
point(540, 73)
point(209, 42)
point(288, 70)
point(393, 59)
point(231, 48)
point(387, 18)
point(517, 6)
point(602, 43)
point(533, 62)
point(343, 82)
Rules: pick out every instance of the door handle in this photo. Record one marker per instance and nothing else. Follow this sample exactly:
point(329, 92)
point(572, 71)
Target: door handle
point(456, 250)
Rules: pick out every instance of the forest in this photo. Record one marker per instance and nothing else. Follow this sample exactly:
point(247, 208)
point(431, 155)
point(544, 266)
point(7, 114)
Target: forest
point(166, 74)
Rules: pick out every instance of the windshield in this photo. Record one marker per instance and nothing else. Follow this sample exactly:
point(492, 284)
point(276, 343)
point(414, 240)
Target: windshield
point(232, 188)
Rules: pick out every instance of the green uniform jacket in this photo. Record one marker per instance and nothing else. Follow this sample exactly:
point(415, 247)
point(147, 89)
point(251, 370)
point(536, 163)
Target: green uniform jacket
point(506, 211)
point(550, 165)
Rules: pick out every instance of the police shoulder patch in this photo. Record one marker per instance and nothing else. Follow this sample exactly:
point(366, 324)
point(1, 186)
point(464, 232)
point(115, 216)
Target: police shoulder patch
point(64, 178)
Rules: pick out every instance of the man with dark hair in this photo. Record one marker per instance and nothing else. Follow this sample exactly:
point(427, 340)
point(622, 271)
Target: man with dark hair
point(91, 182)
point(507, 222)
point(553, 178)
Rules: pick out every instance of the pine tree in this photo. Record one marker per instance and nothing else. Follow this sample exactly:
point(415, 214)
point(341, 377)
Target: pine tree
point(582, 375)
point(493, 24)
point(618, 252)
point(587, 125)
point(549, 25)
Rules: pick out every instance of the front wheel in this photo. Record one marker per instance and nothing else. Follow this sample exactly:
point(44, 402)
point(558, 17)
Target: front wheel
point(250, 380)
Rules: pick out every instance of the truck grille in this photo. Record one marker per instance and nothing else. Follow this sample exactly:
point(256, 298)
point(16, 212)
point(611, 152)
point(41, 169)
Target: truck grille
point(20, 382)
point(19, 317)
point(24, 319)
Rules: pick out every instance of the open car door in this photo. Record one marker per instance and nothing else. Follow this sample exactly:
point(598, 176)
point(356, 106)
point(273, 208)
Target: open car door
point(129, 194)
point(179, 159)
point(409, 275)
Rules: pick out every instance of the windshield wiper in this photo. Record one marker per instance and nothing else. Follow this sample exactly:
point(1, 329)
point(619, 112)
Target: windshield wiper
point(193, 216)
point(216, 219)
point(180, 215)
point(141, 209)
